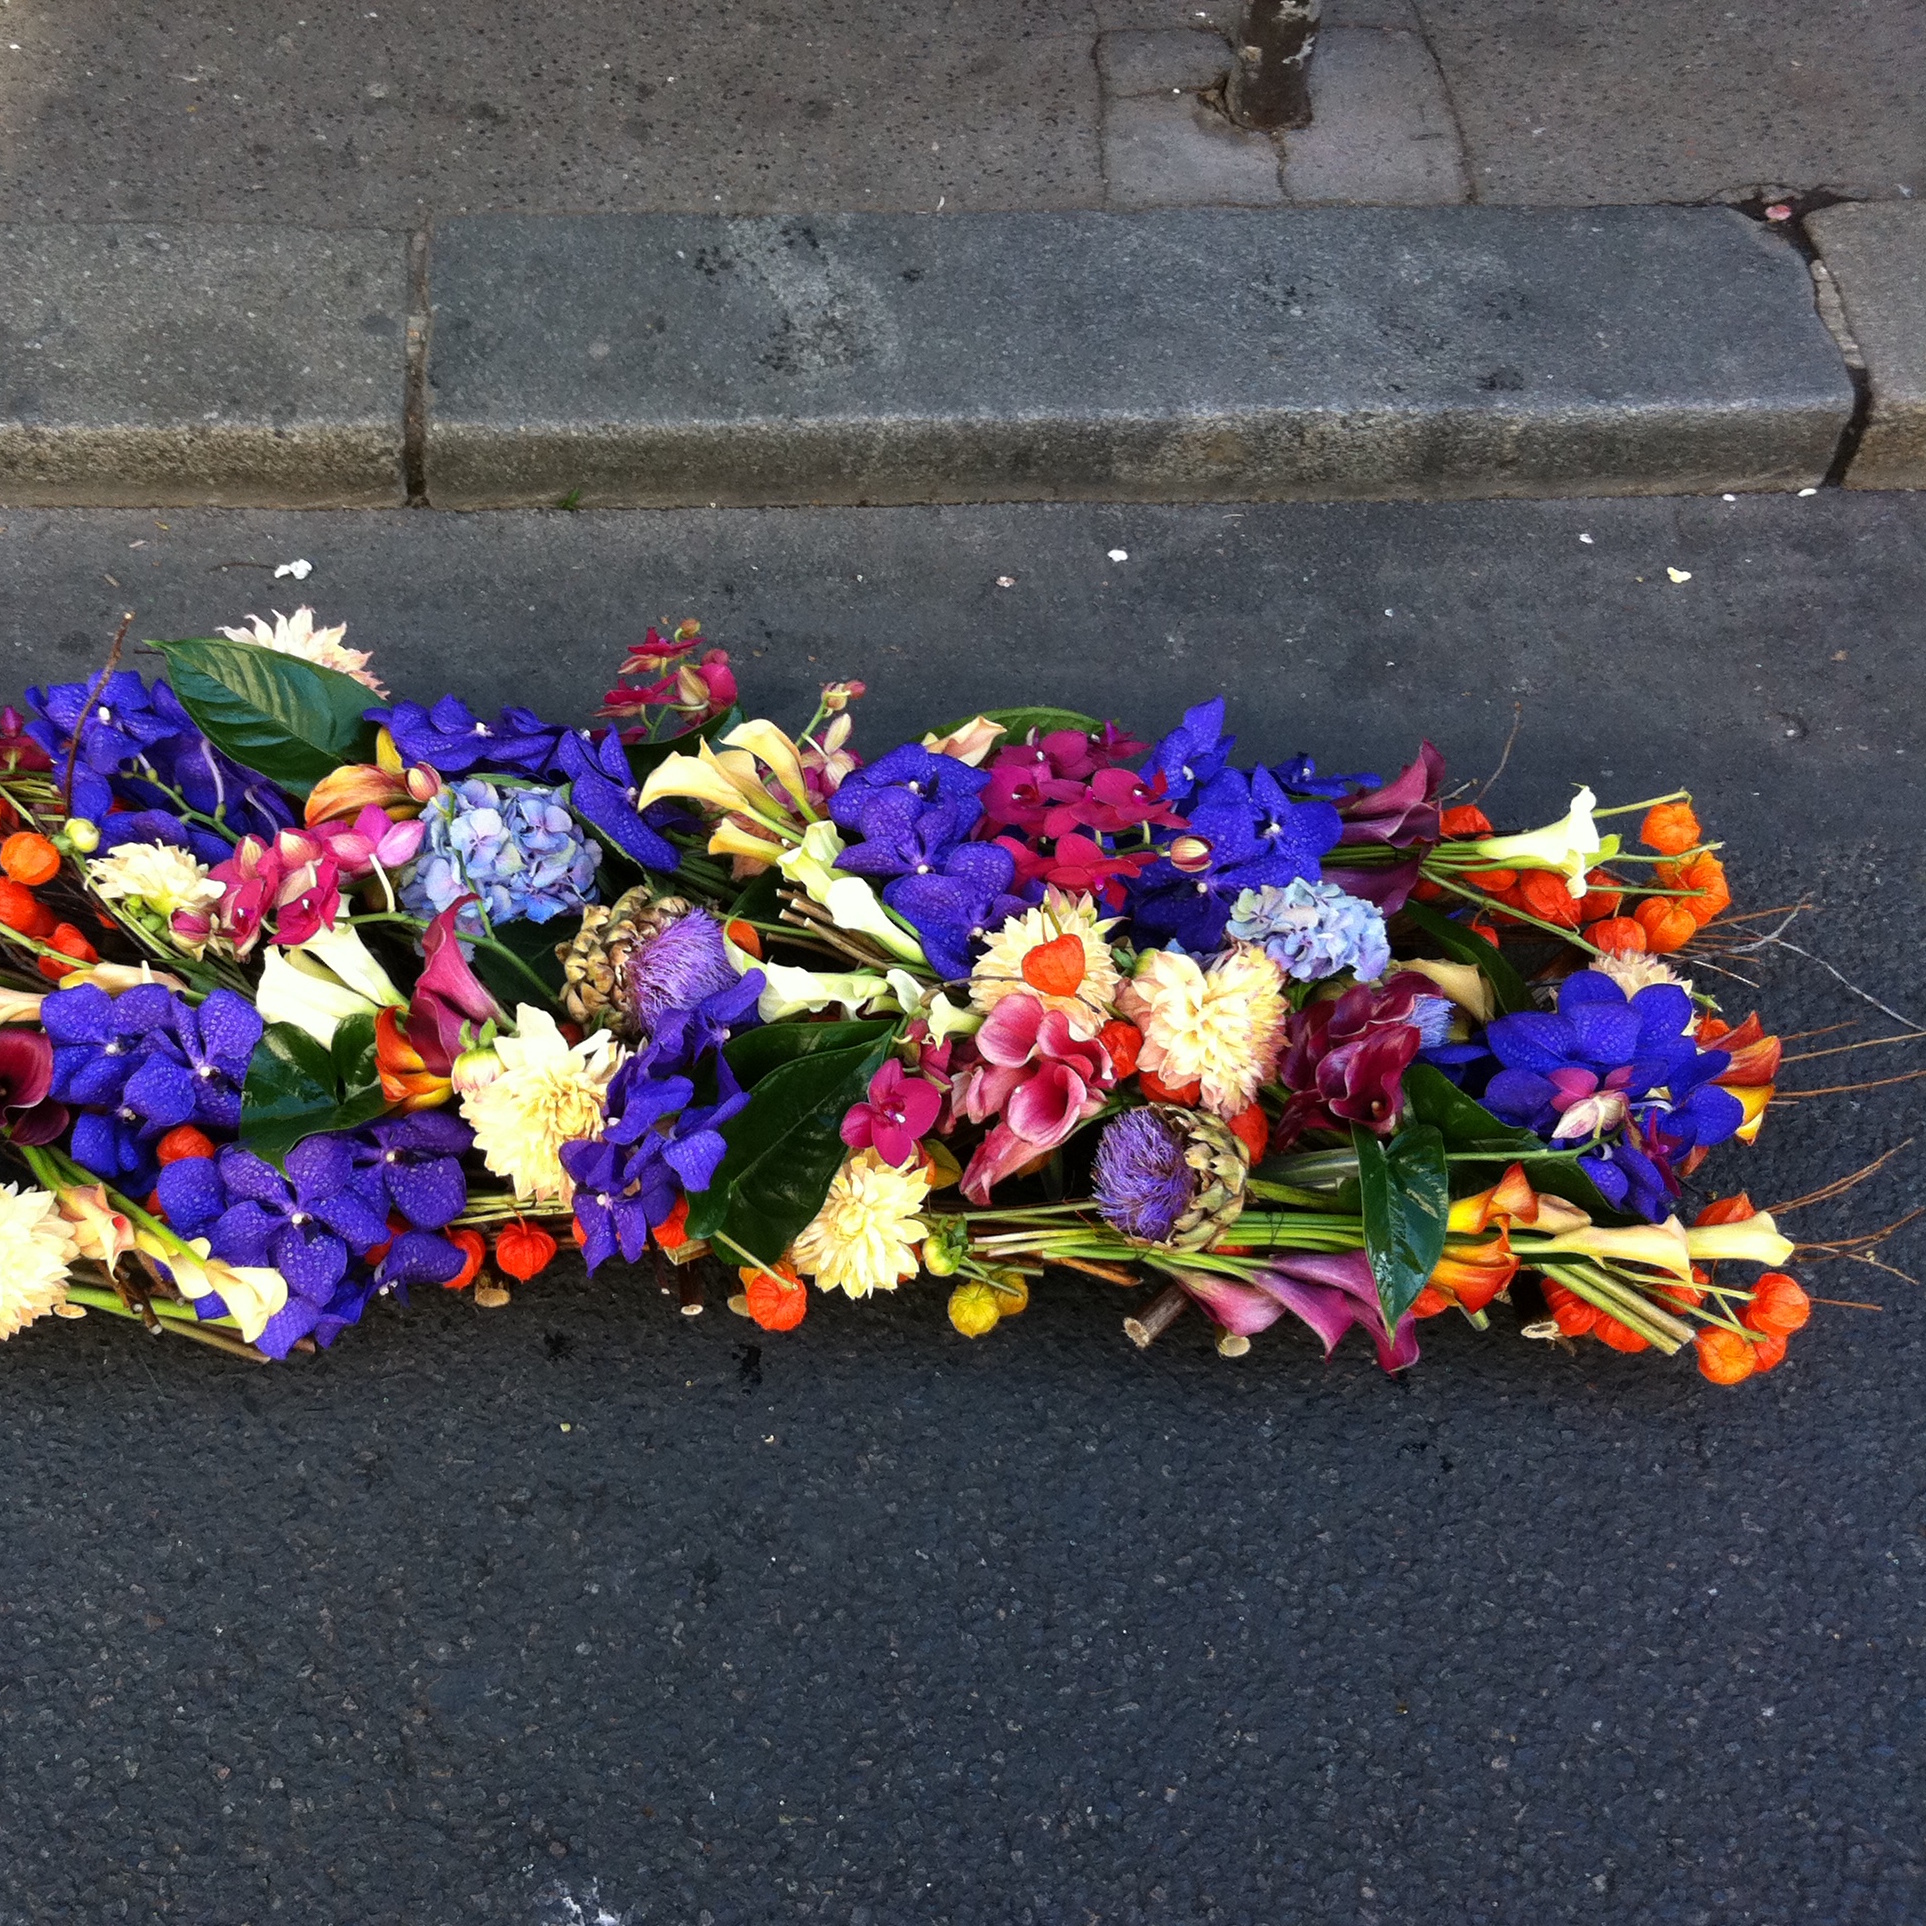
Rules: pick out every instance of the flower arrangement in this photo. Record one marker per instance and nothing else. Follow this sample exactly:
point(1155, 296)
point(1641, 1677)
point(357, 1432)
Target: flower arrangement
point(309, 997)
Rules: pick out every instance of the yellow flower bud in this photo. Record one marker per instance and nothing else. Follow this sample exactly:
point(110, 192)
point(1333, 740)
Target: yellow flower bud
point(975, 1308)
point(83, 837)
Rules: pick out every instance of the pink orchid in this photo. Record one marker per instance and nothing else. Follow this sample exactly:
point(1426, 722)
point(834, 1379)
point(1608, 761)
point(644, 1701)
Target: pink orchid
point(1039, 1078)
point(1117, 800)
point(307, 902)
point(371, 839)
point(250, 880)
point(900, 1110)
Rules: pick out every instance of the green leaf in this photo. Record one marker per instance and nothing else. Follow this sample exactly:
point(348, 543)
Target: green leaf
point(534, 945)
point(761, 901)
point(1463, 945)
point(288, 720)
point(756, 1053)
point(1019, 722)
point(1466, 1124)
point(785, 1147)
point(298, 1088)
point(1406, 1198)
point(646, 757)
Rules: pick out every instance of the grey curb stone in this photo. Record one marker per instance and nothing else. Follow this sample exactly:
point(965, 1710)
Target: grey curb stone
point(1876, 254)
point(1164, 356)
point(230, 366)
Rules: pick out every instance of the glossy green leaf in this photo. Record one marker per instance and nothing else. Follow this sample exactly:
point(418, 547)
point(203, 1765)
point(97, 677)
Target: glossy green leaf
point(1405, 1195)
point(1466, 1124)
point(1464, 945)
point(1019, 722)
point(533, 947)
point(298, 1088)
point(286, 719)
point(761, 901)
point(756, 1053)
point(785, 1147)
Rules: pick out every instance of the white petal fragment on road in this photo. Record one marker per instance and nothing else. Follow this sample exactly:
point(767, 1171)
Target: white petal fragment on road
point(1120, 555)
point(300, 570)
point(1679, 574)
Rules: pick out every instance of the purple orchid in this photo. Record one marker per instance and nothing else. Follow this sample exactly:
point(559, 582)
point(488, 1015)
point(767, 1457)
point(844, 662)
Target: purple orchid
point(603, 791)
point(306, 1224)
point(919, 775)
point(629, 1181)
point(452, 739)
point(1608, 1066)
point(412, 1165)
point(1195, 751)
point(1245, 832)
point(1299, 776)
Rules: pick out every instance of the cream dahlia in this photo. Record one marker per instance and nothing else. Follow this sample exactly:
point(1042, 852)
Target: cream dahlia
point(1220, 1026)
point(549, 1093)
point(865, 1236)
point(36, 1246)
point(1633, 971)
point(154, 875)
point(296, 635)
point(1055, 953)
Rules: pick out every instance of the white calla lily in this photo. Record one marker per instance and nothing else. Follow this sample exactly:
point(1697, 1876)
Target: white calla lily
point(1572, 845)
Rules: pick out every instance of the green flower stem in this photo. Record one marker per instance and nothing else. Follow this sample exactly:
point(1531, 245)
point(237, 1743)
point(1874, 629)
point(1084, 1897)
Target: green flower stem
point(1505, 909)
point(175, 1319)
point(1619, 1299)
point(1632, 809)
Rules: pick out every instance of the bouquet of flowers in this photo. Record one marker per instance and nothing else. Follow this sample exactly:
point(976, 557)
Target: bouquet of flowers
point(312, 997)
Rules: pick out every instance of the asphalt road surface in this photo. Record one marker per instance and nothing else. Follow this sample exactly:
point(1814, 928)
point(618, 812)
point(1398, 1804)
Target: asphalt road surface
point(585, 1611)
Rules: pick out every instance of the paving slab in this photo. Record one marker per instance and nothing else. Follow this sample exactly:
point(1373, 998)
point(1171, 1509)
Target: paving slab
point(1382, 132)
point(1174, 150)
point(1876, 255)
point(1567, 101)
point(867, 1623)
point(1175, 60)
point(394, 114)
point(208, 364)
point(1211, 354)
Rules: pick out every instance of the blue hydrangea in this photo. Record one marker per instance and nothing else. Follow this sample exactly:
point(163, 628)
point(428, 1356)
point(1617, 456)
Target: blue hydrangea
point(1313, 930)
point(517, 848)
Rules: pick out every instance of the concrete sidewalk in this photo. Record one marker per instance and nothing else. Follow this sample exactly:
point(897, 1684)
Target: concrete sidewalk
point(287, 112)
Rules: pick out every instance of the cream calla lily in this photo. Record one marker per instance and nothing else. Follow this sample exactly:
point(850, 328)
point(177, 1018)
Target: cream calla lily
point(811, 865)
point(769, 745)
point(342, 951)
point(1661, 1247)
point(969, 744)
point(253, 1293)
point(1572, 845)
point(295, 989)
point(1752, 1240)
point(853, 905)
point(946, 1020)
point(790, 992)
point(724, 783)
point(1464, 983)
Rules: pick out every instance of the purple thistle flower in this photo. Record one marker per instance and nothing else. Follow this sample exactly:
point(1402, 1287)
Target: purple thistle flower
point(677, 968)
point(1140, 1181)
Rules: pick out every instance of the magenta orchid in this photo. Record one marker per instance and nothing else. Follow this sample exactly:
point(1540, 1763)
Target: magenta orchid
point(1038, 1078)
point(371, 841)
point(901, 1110)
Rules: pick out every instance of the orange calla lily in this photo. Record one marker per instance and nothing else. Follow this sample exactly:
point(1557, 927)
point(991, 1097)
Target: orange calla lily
point(406, 1079)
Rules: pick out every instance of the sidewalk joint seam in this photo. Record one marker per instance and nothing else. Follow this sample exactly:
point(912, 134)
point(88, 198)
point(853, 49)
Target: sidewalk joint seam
point(414, 411)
